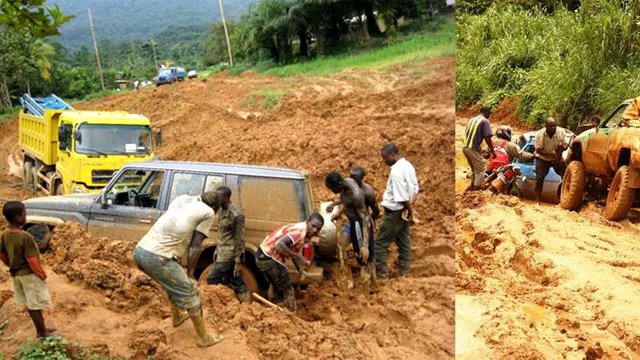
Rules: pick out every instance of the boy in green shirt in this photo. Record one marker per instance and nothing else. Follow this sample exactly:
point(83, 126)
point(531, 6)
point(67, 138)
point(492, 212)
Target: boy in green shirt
point(18, 250)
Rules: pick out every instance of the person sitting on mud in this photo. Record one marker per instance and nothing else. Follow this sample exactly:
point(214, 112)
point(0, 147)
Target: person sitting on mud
point(510, 150)
point(18, 250)
point(357, 173)
point(230, 249)
point(550, 143)
point(478, 130)
point(352, 199)
point(281, 244)
point(179, 232)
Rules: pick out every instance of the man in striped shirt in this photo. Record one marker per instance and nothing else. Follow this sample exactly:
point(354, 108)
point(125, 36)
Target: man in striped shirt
point(285, 243)
point(478, 129)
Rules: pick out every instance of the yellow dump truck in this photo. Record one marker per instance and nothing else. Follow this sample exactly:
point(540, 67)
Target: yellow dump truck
point(68, 151)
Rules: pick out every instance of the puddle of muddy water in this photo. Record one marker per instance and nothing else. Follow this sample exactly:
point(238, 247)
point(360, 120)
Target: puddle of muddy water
point(537, 313)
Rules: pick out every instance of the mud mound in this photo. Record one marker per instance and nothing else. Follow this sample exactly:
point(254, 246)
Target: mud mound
point(330, 322)
point(102, 264)
point(472, 200)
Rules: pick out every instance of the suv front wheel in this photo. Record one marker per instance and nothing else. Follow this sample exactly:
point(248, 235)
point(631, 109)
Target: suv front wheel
point(573, 183)
point(620, 197)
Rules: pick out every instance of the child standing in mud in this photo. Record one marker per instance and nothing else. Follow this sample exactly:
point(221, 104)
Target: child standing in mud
point(18, 250)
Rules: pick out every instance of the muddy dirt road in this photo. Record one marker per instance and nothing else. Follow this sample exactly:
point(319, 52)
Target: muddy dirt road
point(542, 282)
point(322, 124)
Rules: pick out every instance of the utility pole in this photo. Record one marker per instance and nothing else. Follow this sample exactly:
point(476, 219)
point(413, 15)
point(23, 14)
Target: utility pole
point(226, 34)
point(95, 48)
point(155, 57)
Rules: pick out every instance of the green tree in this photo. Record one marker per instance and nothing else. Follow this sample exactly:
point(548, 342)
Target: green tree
point(32, 17)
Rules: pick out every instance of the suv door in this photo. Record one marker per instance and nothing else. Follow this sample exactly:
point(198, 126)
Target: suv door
point(268, 203)
point(135, 200)
point(595, 157)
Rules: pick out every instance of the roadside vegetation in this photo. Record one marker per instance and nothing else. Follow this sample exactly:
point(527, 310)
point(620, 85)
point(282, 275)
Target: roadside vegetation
point(281, 37)
point(556, 62)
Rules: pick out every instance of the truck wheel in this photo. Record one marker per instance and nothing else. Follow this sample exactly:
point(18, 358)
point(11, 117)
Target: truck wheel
point(60, 189)
point(41, 234)
point(620, 196)
point(28, 173)
point(247, 275)
point(573, 182)
point(34, 177)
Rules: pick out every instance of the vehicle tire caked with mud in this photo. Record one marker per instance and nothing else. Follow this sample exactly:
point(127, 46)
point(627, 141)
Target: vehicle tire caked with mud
point(605, 159)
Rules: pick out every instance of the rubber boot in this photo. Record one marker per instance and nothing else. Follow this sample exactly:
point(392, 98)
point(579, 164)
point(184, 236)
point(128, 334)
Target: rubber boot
point(374, 280)
point(178, 315)
point(365, 276)
point(404, 270)
point(383, 273)
point(205, 339)
point(244, 296)
point(290, 300)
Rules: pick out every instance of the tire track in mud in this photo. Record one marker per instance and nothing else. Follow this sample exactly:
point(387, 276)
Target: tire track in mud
point(544, 283)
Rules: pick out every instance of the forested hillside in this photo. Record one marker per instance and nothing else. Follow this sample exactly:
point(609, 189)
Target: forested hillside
point(124, 20)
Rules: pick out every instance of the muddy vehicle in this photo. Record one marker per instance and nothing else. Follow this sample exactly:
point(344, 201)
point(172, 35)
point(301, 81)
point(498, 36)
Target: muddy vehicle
point(606, 156)
point(140, 192)
point(527, 182)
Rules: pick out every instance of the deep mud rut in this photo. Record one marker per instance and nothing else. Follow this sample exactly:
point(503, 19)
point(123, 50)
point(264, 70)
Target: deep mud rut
point(543, 283)
point(102, 301)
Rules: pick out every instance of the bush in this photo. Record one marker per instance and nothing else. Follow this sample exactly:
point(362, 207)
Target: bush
point(52, 348)
point(570, 65)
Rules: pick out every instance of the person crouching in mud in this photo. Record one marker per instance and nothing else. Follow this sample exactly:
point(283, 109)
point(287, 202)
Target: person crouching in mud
point(282, 244)
point(179, 232)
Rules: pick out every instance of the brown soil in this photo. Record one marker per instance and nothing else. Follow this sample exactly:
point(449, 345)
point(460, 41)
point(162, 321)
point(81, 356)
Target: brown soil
point(542, 282)
point(323, 123)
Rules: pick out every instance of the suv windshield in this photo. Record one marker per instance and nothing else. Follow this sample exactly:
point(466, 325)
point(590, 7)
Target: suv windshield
point(164, 72)
point(113, 139)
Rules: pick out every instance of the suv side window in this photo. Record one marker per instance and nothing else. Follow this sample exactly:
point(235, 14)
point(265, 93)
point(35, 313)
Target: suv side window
point(616, 118)
point(135, 187)
point(67, 135)
point(193, 184)
point(280, 200)
point(213, 181)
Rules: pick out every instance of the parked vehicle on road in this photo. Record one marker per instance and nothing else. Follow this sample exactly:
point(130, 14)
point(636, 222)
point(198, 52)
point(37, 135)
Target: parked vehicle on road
point(181, 73)
point(140, 192)
point(165, 76)
point(605, 157)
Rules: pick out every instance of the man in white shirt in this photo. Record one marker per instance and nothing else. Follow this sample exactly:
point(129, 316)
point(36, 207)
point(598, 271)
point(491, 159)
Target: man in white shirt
point(402, 189)
point(179, 232)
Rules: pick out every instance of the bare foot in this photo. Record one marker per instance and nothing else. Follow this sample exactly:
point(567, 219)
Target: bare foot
point(48, 333)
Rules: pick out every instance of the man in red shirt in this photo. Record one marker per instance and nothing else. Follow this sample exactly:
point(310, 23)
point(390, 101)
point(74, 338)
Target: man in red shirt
point(282, 244)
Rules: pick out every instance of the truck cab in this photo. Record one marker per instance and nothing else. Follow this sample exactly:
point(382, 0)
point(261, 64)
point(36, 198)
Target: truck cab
point(166, 76)
point(68, 151)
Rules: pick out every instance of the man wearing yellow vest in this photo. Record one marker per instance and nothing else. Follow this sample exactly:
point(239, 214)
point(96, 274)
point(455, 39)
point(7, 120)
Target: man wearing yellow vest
point(478, 129)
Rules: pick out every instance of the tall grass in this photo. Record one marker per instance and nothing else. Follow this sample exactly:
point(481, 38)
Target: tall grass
point(569, 65)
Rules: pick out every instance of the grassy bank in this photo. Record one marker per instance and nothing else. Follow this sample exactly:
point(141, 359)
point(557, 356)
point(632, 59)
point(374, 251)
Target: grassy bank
point(412, 48)
point(569, 65)
point(417, 43)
